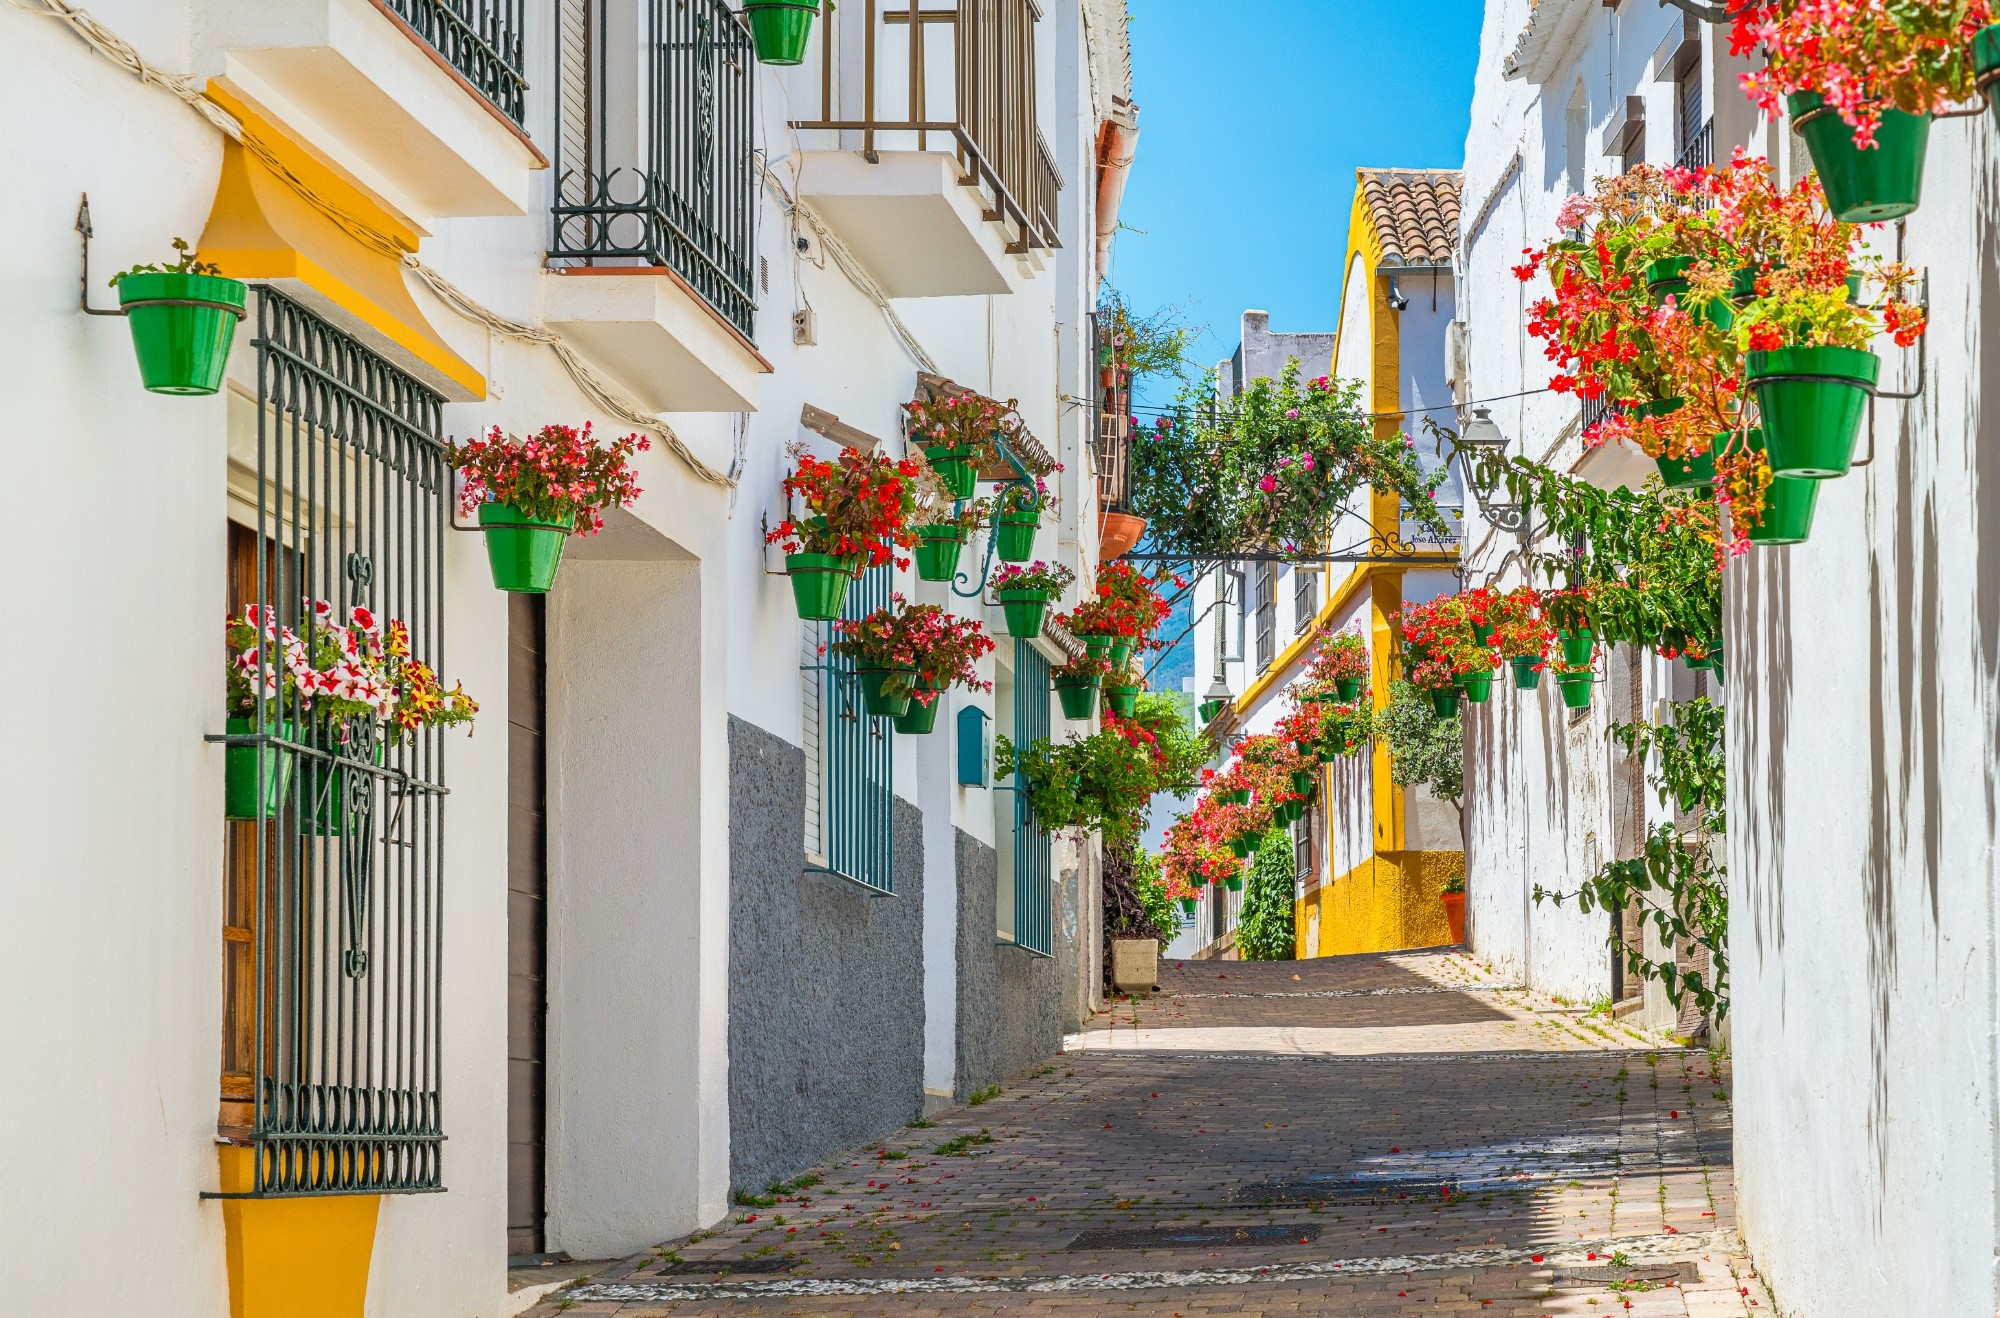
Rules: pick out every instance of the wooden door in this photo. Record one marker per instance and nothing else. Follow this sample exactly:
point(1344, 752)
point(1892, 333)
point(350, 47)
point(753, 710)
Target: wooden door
point(527, 926)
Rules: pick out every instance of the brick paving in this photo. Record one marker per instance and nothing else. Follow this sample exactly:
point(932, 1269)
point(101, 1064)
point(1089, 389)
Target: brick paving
point(1367, 1135)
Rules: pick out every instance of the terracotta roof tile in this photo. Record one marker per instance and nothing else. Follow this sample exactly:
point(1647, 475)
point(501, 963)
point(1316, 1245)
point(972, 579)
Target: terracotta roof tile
point(1416, 213)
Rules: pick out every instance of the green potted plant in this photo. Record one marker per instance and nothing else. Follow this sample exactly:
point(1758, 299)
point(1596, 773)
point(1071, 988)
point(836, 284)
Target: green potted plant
point(1568, 611)
point(942, 534)
point(779, 28)
point(1776, 510)
point(1807, 353)
point(957, 433)
point(1339, 669)
point(344, 689)
point(1861, 83)
point(857, 514)
point(1077, 684)
point(1025, 592)
point(1521, 636)
point(945, 651)
point(1575, 682)
point(182, 317)
point(1121, 691)
point(531, 495)
point(1017, 517)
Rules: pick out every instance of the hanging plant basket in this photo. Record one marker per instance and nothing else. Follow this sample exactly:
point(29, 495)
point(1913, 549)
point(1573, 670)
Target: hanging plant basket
point(1025, 610)
point(1241, 796)
point(954, 466)
point(1124, 700)
point(1885, 182)
point(819, 584)
point(1235, 881)
point(1121, 651)
point(1302, 781)
point(885, 692)
point(1669, 278)
point(1349, 688)
point(1444, 703)
point(1242, 846)
point(1478, 687)
point(921, 719)
point(1694, 472)
point(1209, 709)
point(524, 552)
point(1578, 646)
point(1576, 688)
point(1014, 536)
point(1097, 647)
point(1527, 672)
point(182, 325)
point(240, 797)
point(1813, 401)
point(779, 29)
point(1788, 506)
point(1187, 905)
point(1078, 696)
point(937, 553)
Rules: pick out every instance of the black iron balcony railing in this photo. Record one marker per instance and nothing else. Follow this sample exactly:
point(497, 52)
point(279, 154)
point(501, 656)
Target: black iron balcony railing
point(1700, 149)
point(653, 165)
point(479, 38)
point(984, 111)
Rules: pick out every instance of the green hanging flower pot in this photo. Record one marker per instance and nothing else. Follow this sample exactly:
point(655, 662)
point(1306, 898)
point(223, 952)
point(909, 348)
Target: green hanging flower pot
point(1235, 881)
point(240, 796)
point(1078, 696)
point(1187, 905)
point(1121, 651)
point(1578, 646)
point(1124, 700)
point(960, 477)
point(938, 550)
point(1209, 709)
point(523, 552)
point(1349, 688)
point(1444, 703)
point(1302, 781)
point(1014, 536)
point(1885, 182)
point(1694, 472)
point(1242, 846)
point(1813, 401)
point(1025, 610)
point(1240, 796)
point(1097, 647)
point(1788, 506)
point(1527, 672)
point(1478, 687)
point(779, 29)
point(920, 718)
point(885, 692)
point(819, 584)
point(1669, 277)
point(182, 325)
point(1575, 688)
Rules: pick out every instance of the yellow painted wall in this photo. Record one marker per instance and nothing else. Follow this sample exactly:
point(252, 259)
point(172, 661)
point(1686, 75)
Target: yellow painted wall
point(1384, 905)
point(295, 1258)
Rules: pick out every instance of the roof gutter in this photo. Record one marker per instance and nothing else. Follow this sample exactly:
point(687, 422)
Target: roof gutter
point(1117, 145)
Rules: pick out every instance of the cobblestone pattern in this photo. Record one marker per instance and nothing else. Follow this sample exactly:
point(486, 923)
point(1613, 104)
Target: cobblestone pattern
point(1440, 1182)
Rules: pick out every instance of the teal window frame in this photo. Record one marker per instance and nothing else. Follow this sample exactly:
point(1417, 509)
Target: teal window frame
point(858, 761)
point(1034, 867)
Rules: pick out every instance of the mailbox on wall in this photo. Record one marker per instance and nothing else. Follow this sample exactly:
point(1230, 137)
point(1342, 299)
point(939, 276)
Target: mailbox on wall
point(975, 750)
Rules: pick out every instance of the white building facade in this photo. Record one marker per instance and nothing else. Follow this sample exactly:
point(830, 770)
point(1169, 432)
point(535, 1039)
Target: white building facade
point(1860, 691)
point(678, 921)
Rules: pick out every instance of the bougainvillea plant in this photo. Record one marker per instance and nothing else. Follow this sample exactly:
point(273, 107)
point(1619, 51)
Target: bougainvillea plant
point(334, 673)
point(1860, 55)
point(860, 505)
point(927, 648)
point(558, 473)
point(1051, 579)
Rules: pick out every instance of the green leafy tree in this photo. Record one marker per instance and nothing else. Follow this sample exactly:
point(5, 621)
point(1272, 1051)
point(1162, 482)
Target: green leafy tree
point(1159, 344)
point(1424, 750)
point(1266, 931)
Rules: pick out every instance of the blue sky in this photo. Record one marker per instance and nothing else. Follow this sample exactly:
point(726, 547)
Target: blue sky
point(1254, 115)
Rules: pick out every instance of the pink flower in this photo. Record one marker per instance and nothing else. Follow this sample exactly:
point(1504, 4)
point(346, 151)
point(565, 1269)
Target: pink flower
point(1291, 414)
point(1268, 484)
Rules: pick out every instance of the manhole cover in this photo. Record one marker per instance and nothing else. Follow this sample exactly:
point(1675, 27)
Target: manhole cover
point(1198, 1237)
point(710, 1267)
point(1349, 1188)
point(1657, 1273)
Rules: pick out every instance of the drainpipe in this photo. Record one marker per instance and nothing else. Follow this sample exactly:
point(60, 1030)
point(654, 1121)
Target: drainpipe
point(1117, 142)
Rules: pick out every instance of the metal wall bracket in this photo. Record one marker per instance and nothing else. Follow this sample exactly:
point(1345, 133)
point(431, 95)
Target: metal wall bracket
point(83, 282)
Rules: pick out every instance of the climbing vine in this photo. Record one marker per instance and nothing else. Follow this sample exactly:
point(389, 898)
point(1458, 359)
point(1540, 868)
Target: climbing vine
point(1676, 883)
point(1265, 930)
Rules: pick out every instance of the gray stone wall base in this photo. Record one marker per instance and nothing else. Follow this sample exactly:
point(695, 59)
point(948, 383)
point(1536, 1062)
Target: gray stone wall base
point(826, 980)
point(1010, 1002)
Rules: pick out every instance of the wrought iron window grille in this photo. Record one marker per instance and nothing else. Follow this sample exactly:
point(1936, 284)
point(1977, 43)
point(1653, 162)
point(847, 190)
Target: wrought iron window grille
point(858, 762)
point(479, 38)
point(343, 1053)
point(653, 160)
point(1034, 865)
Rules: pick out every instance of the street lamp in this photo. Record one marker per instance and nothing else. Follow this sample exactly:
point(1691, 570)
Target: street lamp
point(1485, 447)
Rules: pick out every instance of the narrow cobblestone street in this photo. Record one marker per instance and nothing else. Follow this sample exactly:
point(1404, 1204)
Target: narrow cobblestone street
point(1361, 1135)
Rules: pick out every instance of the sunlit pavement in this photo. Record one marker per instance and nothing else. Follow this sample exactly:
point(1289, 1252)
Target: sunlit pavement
point(1358, 1135)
